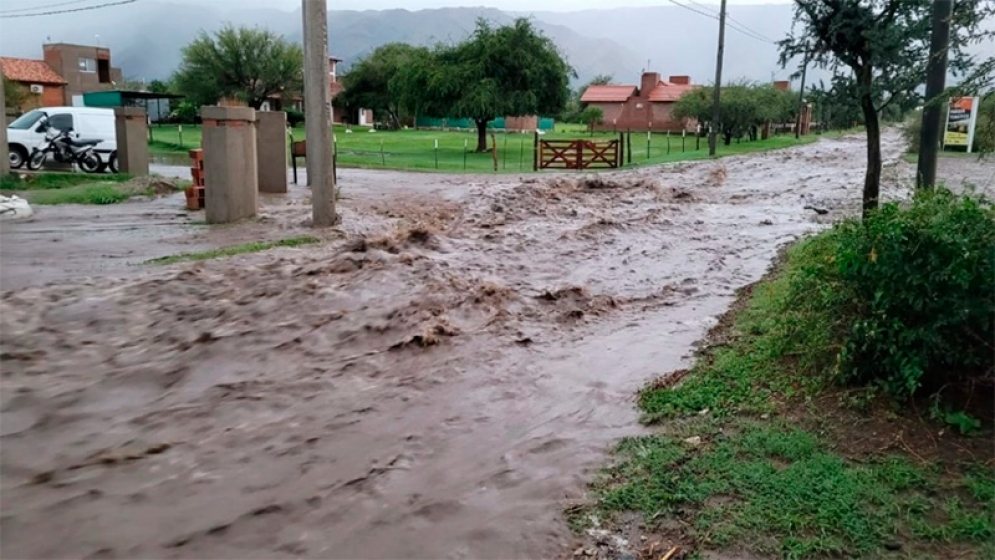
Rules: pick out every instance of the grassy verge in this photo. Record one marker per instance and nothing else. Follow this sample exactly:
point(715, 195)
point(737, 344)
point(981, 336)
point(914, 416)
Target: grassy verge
point(93, 193)
point(415, 149)
point(235, 250)
point(41, 181)
point(757, 454)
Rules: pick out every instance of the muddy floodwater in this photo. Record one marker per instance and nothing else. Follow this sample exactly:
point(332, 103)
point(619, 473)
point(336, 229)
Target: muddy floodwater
point(438, 378)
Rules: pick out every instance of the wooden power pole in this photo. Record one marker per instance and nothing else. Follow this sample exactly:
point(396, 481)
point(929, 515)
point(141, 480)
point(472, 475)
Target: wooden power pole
point(801, 100)
point(713, 130)
point(936, 79)
point(317, 113)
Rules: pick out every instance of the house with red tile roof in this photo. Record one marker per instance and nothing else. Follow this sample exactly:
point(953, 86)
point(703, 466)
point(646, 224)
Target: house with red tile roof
point(640, 108)
point(42, 86)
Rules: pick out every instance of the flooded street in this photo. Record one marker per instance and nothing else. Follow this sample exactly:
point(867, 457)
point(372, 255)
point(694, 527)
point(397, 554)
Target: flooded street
point(437, 379)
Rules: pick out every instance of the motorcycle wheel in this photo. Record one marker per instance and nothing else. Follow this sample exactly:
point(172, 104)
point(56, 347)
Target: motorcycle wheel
point(90, 163)
point(37, 160)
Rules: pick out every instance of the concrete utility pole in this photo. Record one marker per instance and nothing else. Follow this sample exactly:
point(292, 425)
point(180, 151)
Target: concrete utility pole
point(317, 113)
point(936, 79)
point(5, 160)
point(801, 100)
point(712, 136)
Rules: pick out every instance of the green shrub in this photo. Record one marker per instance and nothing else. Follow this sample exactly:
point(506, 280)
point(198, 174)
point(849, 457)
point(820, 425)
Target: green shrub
point(918, 282)
point(984, 133)
point(294, 117)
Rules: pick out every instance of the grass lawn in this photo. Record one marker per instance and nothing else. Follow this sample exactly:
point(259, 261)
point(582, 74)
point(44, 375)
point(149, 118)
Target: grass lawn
point(415, 149)
point(914, 158)
point(755, 457)
point(42, 181)
point(235, 250)
point(74, 188)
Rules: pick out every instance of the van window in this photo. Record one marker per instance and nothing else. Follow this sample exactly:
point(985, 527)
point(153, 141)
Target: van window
point(61, 121)
point(27, 120)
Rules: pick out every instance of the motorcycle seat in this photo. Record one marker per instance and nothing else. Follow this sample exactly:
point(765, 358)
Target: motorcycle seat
point(85, 141)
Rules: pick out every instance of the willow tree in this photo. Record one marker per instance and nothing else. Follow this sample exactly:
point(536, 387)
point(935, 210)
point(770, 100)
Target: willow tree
point(881, 47)
point(512, 70)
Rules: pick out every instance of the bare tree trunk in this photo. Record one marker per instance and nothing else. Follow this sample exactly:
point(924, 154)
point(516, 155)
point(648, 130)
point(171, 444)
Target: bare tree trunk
point(872, 178)
point(481, 136)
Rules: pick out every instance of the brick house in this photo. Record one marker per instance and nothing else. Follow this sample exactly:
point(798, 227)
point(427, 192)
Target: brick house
point(364, 117)
point(86, 69)
point(42, 86)
point(640, 108)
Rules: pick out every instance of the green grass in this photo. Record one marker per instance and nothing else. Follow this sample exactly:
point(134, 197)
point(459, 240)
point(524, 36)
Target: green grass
point(235, 250)
point(770, 473)
point(415, 149)
point(93, 193)
point(41, 181)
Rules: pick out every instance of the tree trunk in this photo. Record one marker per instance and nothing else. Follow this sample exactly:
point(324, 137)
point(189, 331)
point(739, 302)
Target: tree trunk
point(872, 178)
point(481, 136)
point(728, 138)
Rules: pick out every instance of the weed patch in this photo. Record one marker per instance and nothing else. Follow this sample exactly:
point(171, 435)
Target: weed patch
point(235, 250)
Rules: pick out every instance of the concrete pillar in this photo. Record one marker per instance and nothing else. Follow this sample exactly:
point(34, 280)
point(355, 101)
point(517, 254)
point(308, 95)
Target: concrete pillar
point(231, 179)
point(132, 129)
point(271, 151)
point(5, 160)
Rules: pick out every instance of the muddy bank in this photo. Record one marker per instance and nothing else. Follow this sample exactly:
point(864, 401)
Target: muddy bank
point(437, 379)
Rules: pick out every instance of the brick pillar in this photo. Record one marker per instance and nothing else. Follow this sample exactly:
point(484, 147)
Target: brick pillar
point(271, 151)
point(231, 180)
point(132, 131)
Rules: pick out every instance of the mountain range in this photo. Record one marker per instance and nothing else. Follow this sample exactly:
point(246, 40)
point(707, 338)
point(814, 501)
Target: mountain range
point(146, 37)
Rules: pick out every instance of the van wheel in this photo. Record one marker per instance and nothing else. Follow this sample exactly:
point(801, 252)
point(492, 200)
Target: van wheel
point(112, 162)
point(18, 155)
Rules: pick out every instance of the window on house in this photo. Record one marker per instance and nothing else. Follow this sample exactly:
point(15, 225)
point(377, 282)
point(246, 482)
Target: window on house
point(104, 71)
point(87, 64)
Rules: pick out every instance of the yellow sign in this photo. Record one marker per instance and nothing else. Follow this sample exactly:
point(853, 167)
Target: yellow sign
point(961, 118)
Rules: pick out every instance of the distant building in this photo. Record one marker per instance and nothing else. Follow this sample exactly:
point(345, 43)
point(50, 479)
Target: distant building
point(363, 117)
point(42, 86)
point(640, 108)
point(86, 69)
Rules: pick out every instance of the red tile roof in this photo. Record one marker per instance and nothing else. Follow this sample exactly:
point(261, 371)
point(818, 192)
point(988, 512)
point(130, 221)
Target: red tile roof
point(607, 94)
point(29, 71)
point(667, 91)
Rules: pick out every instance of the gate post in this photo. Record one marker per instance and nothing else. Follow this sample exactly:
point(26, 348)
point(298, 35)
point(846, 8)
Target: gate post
point(131, 130)
point(271, 151)
point(230, 173)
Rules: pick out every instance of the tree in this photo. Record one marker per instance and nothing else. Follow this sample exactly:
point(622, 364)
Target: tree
point(376, 81)
point(14, 95)
point(744, 107)
point(158, 86)
point(512, 70)
point(881, 47)
point(592, 116)
point(245, 63)
point(571, 113)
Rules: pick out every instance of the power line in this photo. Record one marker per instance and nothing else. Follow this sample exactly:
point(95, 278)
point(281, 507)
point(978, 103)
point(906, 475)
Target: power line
point(56, 12)
point(740, 27)
point(45, 7)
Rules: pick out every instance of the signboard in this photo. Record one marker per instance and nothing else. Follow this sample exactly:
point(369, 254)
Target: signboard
point(962, 117)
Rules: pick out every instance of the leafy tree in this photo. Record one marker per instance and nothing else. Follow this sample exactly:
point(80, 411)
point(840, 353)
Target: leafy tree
point(158, 86)
point(744, 108)
point(571, 113)
point(14, 95)
point(592, 116)
point(512, 70)
point(246, 63)
point(376, 81)
point(881, 47)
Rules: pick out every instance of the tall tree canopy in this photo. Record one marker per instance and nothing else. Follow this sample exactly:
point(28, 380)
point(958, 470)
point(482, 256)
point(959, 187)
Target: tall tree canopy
point(376, 81)
point(512, 70)
point(744, 107)
point(882, 48)
point(247, 63)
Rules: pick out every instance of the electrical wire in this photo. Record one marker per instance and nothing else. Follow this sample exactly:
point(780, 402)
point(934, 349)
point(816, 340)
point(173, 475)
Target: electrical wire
point(56, 12)
point(44, 7)
point(735, 26)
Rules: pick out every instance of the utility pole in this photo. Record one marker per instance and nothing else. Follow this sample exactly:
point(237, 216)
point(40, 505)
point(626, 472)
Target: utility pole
point(712, 139)
point(801, 100)
point(317, 113)
point(5, 160)
point(936, 79)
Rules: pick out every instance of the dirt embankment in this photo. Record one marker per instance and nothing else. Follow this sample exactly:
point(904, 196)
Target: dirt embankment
point(436, 380)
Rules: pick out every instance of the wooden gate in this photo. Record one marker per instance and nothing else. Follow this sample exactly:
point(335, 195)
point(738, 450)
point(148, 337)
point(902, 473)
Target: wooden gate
point(578, 154)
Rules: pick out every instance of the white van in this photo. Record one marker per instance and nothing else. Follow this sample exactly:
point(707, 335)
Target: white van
point(25, 134)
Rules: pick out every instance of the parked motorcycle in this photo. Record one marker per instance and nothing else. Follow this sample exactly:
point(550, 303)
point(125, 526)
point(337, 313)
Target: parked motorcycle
point(65, 149)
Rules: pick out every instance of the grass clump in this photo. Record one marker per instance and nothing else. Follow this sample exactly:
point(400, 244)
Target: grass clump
point(42, 181)
point(93, 193)
point(253, 247)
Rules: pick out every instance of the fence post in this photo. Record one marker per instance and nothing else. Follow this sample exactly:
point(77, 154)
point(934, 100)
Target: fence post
point(521, 153)
point(684, 134)
point(535, 151)
point(494, 150)
point(649, 135)
point(383, 159)
point(180, 130)
point(628, 147)
point(464, 153)
point(436, 150)
point(668, 142)
point(504, 152)
point(620, 153)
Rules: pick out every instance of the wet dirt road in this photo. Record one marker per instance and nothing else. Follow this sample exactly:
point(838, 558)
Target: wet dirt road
point(437, 379)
